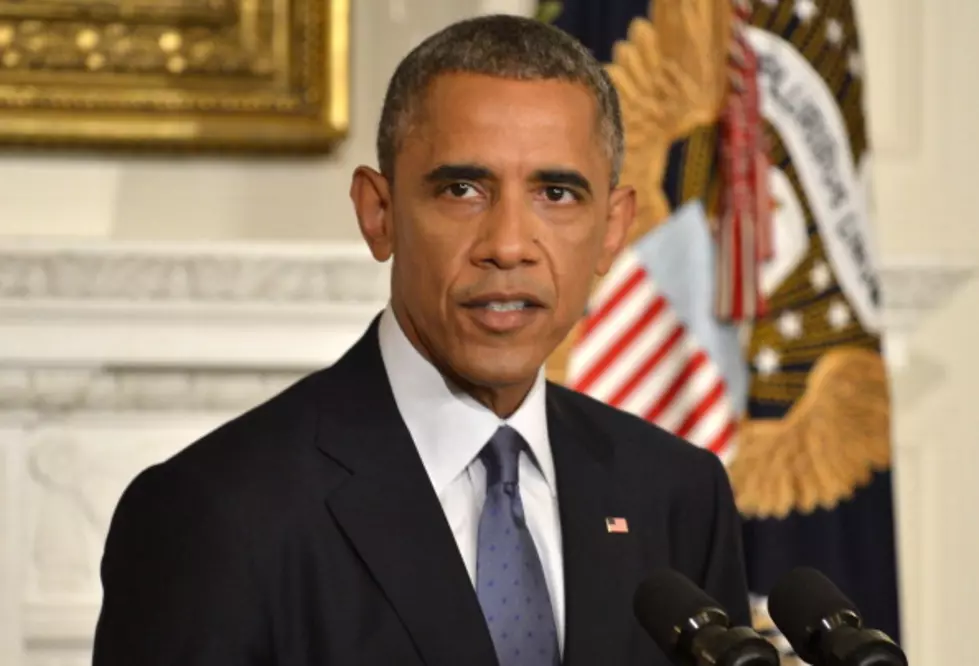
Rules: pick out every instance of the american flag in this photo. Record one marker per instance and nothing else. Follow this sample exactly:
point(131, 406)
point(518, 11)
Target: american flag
point(634, 353)
point(617, 525)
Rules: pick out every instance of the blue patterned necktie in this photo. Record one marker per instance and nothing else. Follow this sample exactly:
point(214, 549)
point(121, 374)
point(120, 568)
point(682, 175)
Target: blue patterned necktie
point(510, 581)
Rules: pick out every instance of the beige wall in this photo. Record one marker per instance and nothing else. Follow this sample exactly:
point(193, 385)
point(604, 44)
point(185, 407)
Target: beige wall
point(210, 199)
point(922, 124)
point(923, 107)
point(923, 103)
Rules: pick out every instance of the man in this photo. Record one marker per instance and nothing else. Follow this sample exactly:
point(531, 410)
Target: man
point(430, 499)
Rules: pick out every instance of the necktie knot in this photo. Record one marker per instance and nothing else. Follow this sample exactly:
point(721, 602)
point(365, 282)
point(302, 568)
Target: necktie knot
point(501, 456)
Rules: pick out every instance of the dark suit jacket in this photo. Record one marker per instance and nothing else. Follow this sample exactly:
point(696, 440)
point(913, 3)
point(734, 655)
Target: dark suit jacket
point(306, 533)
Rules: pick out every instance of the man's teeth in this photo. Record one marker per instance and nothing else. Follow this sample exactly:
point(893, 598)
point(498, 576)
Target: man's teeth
point(506, 306)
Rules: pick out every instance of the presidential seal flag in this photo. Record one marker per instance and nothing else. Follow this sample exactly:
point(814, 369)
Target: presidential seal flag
point(813, 475)
point(745, 314)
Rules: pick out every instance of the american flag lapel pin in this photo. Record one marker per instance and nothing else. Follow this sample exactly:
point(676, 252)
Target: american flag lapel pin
point(617, 525)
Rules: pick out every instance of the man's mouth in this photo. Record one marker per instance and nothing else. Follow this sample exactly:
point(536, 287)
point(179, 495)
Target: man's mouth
point(504, 302)
point(502, 313)
point(507, 306)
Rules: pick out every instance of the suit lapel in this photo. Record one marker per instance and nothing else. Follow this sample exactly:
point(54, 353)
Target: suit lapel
point(387, 508)
point(600, 568)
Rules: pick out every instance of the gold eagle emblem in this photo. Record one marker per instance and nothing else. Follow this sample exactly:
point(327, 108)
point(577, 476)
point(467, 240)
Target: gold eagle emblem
point(671, 73)
point(829, 444)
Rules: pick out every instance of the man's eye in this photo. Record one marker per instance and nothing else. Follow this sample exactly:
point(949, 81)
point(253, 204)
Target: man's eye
point(556, 194)
point(461, 190)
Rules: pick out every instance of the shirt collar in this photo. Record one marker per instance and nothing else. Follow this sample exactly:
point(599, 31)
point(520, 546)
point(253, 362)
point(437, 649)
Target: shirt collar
point(448, 426)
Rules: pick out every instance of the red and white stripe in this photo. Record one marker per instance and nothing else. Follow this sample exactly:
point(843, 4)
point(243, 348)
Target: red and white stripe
point(635, 354)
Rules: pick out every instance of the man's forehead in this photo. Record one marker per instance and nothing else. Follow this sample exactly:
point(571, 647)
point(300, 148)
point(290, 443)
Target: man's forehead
point(457, 94)
point(536, 119)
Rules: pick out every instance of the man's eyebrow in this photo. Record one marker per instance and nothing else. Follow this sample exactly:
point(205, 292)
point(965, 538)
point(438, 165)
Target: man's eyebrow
point(475, 172)
point(567, 177)
point(452, 172)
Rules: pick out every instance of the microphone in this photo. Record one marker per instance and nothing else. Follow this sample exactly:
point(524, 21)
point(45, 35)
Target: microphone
point(824, 627)
point(692, 629)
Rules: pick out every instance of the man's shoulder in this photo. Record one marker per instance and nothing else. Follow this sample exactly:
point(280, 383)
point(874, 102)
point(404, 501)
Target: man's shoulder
point(656, 472)
point(236, 489)
point(257, 450)
point(636, 441)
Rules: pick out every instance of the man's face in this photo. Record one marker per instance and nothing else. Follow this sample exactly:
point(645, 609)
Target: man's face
point(499, 216)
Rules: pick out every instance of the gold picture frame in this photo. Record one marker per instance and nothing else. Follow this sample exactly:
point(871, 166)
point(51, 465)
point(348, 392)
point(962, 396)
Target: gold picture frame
point(262, 75)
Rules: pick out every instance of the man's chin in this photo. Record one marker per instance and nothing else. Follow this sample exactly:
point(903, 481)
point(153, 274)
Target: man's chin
point(500, 369)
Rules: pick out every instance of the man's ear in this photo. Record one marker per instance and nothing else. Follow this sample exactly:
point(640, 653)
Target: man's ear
point(371, 196)
point(621, 213)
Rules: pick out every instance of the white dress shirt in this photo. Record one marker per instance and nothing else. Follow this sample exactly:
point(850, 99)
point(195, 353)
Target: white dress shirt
point(450, 428)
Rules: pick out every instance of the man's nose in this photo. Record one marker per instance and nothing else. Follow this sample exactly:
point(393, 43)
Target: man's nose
point(508, 233)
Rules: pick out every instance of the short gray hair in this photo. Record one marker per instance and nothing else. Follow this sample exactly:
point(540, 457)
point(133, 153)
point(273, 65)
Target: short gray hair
point(509, 47)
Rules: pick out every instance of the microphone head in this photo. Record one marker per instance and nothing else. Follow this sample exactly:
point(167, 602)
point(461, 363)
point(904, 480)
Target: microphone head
point(666, 602)
point(800, 601)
